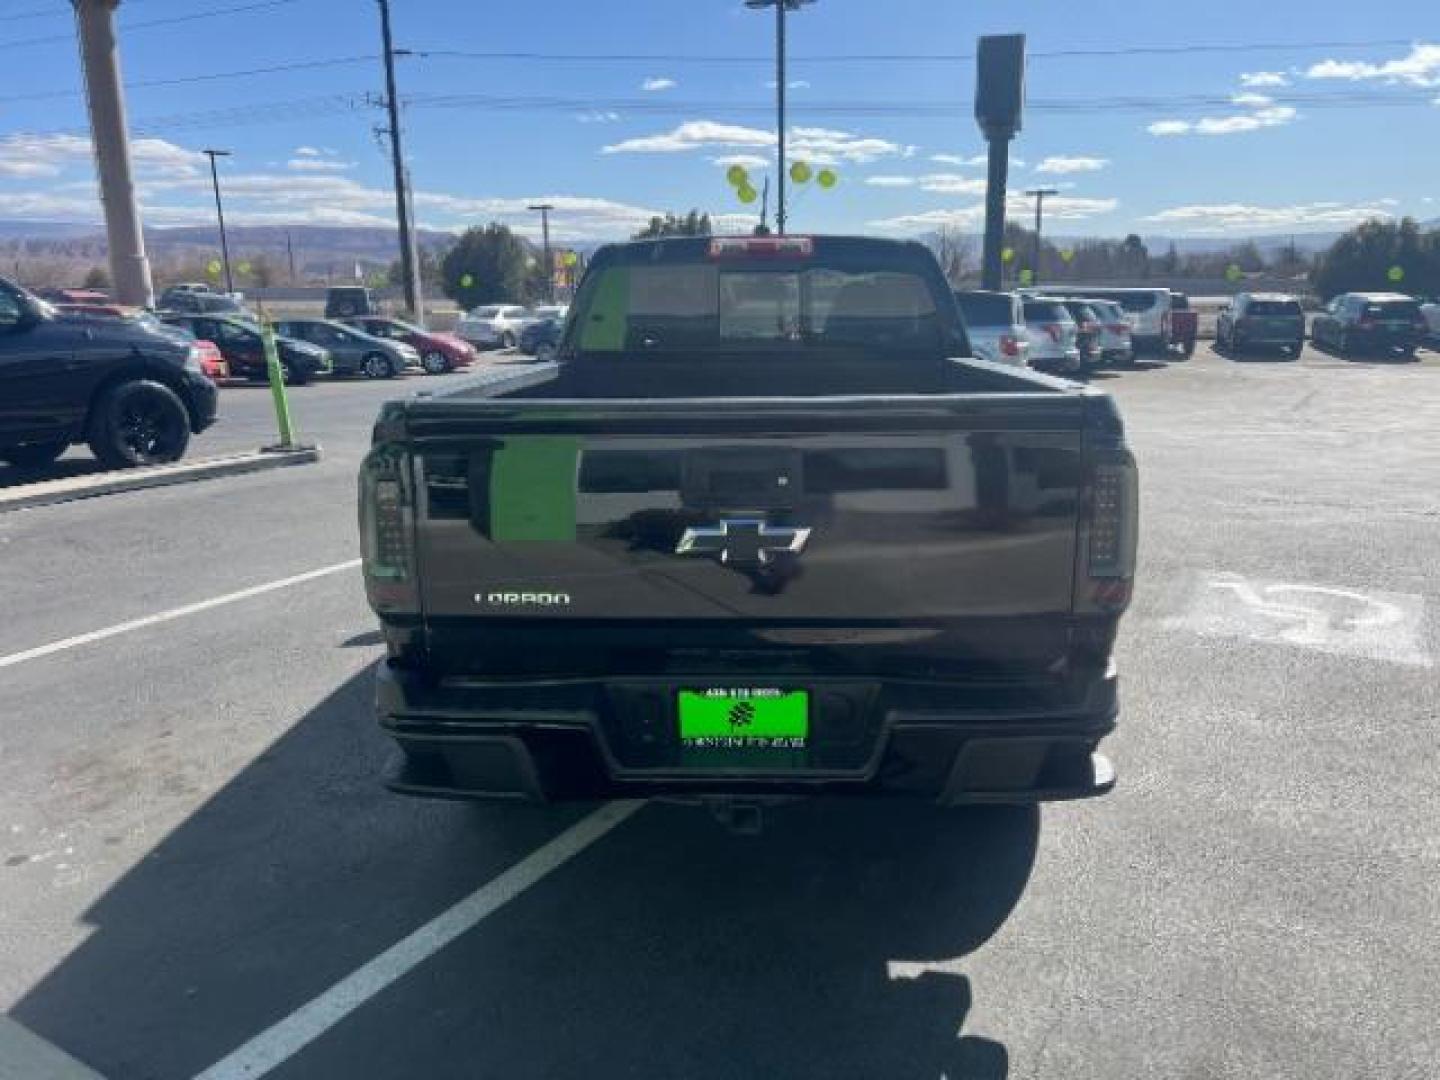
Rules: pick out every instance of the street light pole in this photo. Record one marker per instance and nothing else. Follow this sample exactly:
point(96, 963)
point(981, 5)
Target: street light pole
point(545, 209)
point(1039, 196)
point(781, 7)
point(220, 214)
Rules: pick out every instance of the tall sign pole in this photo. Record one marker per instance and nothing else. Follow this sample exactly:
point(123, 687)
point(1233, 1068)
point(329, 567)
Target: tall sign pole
point(100, 56)
point(999, 102)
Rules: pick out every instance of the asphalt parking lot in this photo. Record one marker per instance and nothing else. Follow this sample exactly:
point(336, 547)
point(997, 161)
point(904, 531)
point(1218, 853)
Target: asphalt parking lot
point(200, 874)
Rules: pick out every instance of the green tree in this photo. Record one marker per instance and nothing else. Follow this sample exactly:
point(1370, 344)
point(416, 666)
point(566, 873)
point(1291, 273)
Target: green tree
point(1134, 257)
point(692, 224)
point(97, 277)
point(486, 265)
point(1366, 257)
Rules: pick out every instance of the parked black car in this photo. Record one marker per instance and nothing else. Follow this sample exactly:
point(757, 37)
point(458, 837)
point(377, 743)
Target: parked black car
point(541, 338)
point(1261, 321)
point(1370, 324)
point(244, 351)
point(190, 302)
point(349, 302)
point(131, 389)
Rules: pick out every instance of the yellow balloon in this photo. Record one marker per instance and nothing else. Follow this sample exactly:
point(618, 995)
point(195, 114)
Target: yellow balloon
point(800, 172)
point(466, 280)
point(746, 193)
point(214, 266)
point(1067, 255)
point(570, 258)
point(1008, 255)
point(827, 178)
point(737, 176)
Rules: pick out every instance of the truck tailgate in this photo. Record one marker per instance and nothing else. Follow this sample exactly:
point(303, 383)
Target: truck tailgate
point(783, 511)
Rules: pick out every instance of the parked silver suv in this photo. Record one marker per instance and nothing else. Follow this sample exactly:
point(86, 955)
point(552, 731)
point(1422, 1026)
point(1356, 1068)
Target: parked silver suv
point(1053, 336)
point(995, 325)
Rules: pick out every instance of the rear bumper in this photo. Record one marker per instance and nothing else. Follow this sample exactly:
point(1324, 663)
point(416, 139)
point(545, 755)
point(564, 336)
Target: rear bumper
point(558, 741)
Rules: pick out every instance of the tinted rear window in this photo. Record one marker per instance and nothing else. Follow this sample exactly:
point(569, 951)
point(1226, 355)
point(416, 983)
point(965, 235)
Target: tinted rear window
point(986, 309)
point(1046, 311)
point(1393, 309)
point(1272, 308)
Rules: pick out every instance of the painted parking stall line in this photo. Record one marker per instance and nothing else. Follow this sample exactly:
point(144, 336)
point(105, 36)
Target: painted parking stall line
point(279, 1043)
point(174, 613)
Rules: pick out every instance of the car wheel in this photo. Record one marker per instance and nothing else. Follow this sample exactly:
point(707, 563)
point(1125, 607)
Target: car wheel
point(544, 353)
point(139, 423)
point(507, 340)
point(377, 366)
point(33, 455)
point(435, 362)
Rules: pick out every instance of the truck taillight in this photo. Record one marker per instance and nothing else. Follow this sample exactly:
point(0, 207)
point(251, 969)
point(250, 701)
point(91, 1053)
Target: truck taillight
point(1112, 520)
point(773, 247)
point(386, 530)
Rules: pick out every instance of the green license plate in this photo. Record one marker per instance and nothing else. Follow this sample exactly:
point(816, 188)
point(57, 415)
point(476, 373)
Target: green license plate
point(747, 726)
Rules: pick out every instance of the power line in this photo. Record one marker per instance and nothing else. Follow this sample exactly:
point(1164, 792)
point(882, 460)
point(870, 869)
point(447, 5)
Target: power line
point(853, 58)
point(298, 65)
point(169, 20)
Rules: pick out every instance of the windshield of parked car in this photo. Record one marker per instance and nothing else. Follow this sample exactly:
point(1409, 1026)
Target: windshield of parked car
point(1042, 311)
point(986, 309)
point(1392, 310)
point(1273, 308)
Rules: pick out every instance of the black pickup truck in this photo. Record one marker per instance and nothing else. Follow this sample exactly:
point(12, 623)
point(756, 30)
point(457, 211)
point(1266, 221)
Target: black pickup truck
point(762, 530)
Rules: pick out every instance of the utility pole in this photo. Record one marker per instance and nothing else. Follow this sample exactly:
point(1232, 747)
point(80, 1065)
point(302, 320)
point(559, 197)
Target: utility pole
point(397, 154)
point(104, 91)
point(545, 209)
point(781, 7)
point(290, 255)
point(1039, 196)
point(220, 213)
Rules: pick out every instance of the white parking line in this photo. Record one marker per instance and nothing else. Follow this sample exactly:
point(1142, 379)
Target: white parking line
point(279, 1043)
point(174, 613)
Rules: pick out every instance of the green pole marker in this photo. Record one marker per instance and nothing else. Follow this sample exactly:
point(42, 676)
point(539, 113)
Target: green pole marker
point(1027, 276)
point(277, 383)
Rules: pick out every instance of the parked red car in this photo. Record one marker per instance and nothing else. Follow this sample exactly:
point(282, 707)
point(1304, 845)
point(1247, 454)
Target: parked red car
point(439, 353)
point(212, 361)
point(1184, 324)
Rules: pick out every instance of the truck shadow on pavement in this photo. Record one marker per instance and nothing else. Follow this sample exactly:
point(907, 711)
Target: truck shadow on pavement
point(63, 469)
point(826, 946)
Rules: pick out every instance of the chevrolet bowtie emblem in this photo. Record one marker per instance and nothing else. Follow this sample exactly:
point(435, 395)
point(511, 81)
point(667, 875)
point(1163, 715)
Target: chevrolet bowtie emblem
point(743, 542)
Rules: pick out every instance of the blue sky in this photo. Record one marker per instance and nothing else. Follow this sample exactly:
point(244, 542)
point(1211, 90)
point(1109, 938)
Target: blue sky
point(1191, 143)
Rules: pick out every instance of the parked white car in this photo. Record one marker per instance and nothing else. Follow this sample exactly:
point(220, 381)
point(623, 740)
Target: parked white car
point(1054, 345)
point(1146, 310)
point(995, 325)
point(494, 325)
point(1116, 346)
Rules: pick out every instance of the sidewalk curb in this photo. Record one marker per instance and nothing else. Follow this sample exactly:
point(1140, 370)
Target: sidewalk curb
point(50, 492)
point(26, 1056)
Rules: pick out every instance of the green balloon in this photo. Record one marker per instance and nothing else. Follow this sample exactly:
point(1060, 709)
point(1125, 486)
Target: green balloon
point(800, 172)
point(1233, 273)
point(466, 280)
point(746, 193)
point(1067, 255)
point(214, 267)
point(1027, 276)
point(737, 176)
point(827, 178)
point(1007, 255)
point(244, 268)
point(1396, 273)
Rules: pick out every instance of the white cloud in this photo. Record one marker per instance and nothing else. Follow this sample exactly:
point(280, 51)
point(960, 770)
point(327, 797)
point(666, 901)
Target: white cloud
point(790, 84)
point(1252, 101)
point(1264, 78)
point(1063, 165)
point(958, 159)
point(890, 181)
point(734, 223)
point(310, 164)
point(818, 146)
point(1420, 67)
point(1226, 217)
point(951, 184)
point(1065, 208)
point(597, 117)
point(745, 161)
point(656, 82)
point(32, 156)
point(307, 151)
point(1271, 116)
point(692, 135)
